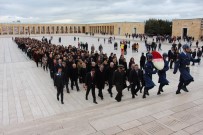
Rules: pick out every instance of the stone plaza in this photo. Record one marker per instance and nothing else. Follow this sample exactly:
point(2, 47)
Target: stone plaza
point(28, 104)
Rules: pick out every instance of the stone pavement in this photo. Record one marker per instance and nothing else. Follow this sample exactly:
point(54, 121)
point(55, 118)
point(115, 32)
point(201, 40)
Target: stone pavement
point(28, 102)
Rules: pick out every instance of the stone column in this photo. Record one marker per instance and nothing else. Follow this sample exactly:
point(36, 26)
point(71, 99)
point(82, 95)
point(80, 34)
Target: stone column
point(13, 30)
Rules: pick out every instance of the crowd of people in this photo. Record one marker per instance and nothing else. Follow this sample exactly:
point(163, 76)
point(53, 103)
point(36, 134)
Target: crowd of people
point(69, 65)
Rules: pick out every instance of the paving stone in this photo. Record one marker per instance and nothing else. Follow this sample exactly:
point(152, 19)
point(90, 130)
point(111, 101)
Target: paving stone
point(112, 130)
point(187, 117)
point(199, 133)
point(97, 133)
point(146, 119)
point(194, 128)
point(129, 125)
point(181, 132)
point(172, 123)
point(155, 128)
point(162, 114)
point(183, 107)
point(133, 131)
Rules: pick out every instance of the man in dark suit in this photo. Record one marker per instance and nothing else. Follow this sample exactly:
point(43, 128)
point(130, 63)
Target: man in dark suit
point(74, 77)
point(194, 54)
point(135, 79)
point(142, 61)
point(119, 81)
point(100, 80)
point(109, 73)
point(59, 83)
point(171, 57)
point(65, 72)
point(90, 83)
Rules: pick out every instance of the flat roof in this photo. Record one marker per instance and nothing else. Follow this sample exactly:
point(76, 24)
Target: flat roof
point(190, 19)
point(65, 23)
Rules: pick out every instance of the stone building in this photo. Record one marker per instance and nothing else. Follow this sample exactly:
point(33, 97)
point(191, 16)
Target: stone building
point(188, 27)
point(119, 28)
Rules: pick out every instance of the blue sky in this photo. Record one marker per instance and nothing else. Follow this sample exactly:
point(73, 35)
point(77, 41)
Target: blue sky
point(97, 11)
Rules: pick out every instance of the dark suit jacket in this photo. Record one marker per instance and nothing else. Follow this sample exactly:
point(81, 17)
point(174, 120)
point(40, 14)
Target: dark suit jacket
point(100, 79)
point(135, 77)
point(59, 81)
point(89, 81)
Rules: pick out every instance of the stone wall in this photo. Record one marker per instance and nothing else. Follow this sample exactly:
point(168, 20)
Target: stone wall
point(108, 28)
point(193, 27)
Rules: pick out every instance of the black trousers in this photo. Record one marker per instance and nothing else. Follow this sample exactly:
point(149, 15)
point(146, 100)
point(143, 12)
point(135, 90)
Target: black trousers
point(133, 90)
point(37, 63)
point(45, 67)
point(93, 92)
point(60, 92)
point(110, 87)
point(171, 63)
point(76, 84)
point(182, 84)
point(66, 84)
point(100, 94)
point(52, 74)
point(119, 94)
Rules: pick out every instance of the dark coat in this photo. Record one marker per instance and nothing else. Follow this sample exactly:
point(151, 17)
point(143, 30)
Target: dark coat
point(171, 55)
point(90, 81)
point(109, 74)
point(50, 62)
point(65, 72)
point(148, 71)
point(36, 57)
point(100, 79)
point(74, 74)
point(182, 64)
point(83, 73)
point(162, 74)
point(194, 54)
point(119, 80)
point(135, 76)
point(59, 80)
point(142, 60)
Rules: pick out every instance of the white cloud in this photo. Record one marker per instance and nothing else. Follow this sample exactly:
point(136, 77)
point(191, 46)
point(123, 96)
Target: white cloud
point(88, 11)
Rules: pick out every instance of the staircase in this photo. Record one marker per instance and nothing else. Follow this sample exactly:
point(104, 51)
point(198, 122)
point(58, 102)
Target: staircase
point(88, 121)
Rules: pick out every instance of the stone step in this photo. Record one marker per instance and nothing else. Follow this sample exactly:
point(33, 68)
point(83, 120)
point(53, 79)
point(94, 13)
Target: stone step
point(93, 113)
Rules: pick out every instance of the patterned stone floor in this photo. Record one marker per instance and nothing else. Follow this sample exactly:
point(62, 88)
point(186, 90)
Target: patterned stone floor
point(28, 102)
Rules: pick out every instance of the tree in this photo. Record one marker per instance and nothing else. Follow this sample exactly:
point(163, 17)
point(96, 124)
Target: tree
point(158, 27)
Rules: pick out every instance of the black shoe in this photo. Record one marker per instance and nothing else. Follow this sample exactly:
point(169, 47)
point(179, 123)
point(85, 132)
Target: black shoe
point(111, 95)
point(62, 102)
point(178, 92)
point(144, 96)
point(147, 93)
point(184, 89)
point(118, 100)
point(86, 98)
point(71, 88)
point(102, 98)
point(68, 91)
point(133, 96)
point(95, 102)
point(58, 98)
point(161, 90)
point(78, 90)
point(159, 93)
